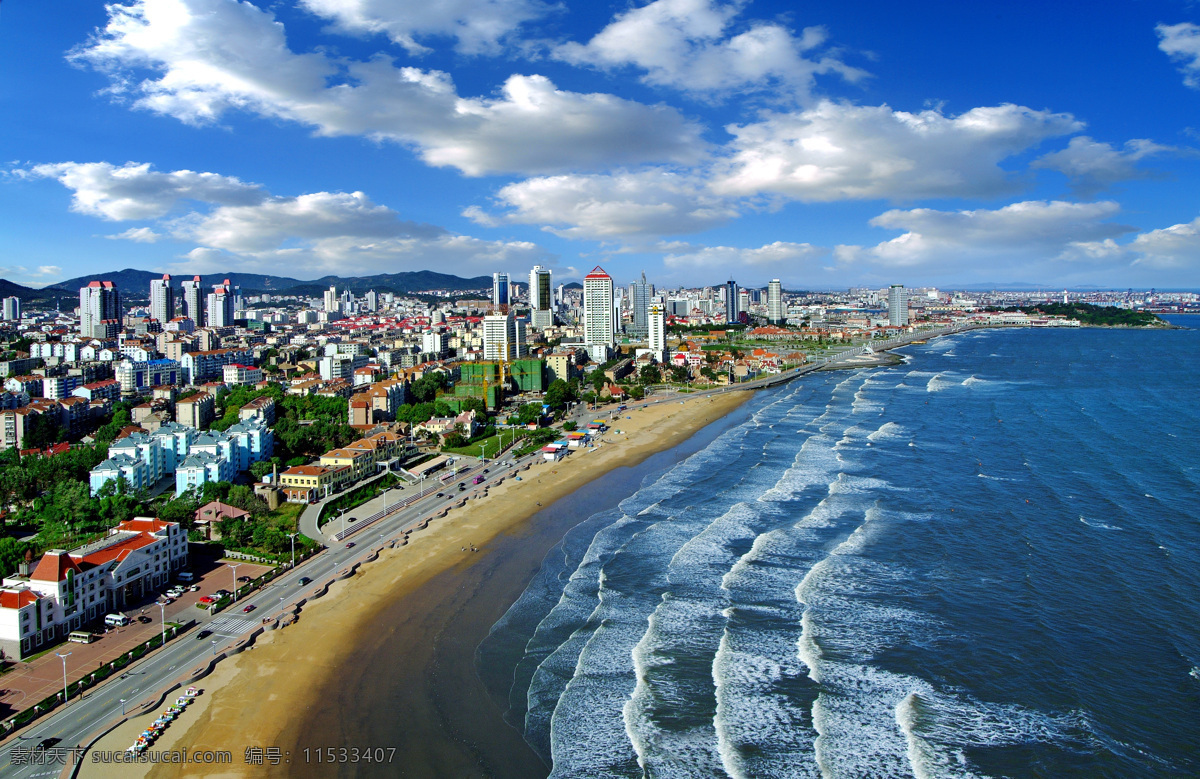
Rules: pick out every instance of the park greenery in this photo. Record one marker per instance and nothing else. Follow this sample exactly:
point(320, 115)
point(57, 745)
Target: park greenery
point(1088, 314)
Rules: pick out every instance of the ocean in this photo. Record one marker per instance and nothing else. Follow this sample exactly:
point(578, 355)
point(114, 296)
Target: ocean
point(980, 562)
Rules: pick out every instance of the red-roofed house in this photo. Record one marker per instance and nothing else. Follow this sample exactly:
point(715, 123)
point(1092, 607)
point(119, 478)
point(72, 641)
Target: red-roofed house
point(69, 589)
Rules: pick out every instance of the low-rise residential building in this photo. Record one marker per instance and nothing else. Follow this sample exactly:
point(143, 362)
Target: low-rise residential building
point(237, 374)
point(263, 408)
point(69, 589)
point(308, 483)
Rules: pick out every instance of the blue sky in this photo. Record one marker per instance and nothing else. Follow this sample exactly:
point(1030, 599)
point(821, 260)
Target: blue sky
point(859, 142)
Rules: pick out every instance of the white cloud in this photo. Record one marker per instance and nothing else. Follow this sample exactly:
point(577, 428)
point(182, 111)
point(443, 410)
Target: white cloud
point(780, 257)
point(1031, 232)
point(1094, 166)
point(314, 233)
point(197, 60)
point(1181, 42)
point(1171, 247)
point(648, 202)
point(133, 191)
point(478, 26)
point(137, 235)
point(688, 45)
point(19, 274)
point(836, 151)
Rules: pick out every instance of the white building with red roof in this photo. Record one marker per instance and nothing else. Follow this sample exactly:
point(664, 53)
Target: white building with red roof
point(69, 589)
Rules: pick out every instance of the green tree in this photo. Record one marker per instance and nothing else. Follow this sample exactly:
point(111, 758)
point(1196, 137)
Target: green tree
point(679, 374)
point(650, 374)
point(559, 394)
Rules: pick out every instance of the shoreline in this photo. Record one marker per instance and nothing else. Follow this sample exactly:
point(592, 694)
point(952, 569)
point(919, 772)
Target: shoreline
point(282, 697)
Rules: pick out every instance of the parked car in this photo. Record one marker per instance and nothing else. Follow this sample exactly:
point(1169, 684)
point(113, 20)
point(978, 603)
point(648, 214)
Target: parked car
point(243, 578)
point(249, 609)
point(304, 580)
point(222, 593)
point(207, 599)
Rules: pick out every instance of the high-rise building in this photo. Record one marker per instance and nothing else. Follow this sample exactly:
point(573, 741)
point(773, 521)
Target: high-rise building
point(221, 305)
point(640, 293)
point(500, 338)
point(162, 299)
point(433, 342)
point(500, 290)
point(897, 305)
point(332, 303)
point(656, 325)
point(371, 300)
point(193, 301)
point(599, 328)
point(731, 302)
point(775, 312)
point(99, 308)
point(541, 298)
point(12, 309)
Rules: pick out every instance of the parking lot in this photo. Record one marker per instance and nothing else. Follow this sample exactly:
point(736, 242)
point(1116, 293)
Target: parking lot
point(30, 681)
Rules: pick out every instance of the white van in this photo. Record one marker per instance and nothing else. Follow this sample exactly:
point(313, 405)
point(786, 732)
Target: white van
point(185, 576)
point(117, 620)
point(81, 637)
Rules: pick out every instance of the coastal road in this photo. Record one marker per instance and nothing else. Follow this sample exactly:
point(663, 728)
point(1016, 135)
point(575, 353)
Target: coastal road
point(144, 681)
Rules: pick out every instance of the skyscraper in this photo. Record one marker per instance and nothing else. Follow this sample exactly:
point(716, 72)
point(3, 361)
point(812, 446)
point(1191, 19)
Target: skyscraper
point(541, 298)
point(501, 340)
point(731, 302)
point(775, 302)
point(331, 301)
point(12, 309)
point(500, 290)
point(656, 326)
point(99, 309)
point(193, 301)
point(221, 305)
point(640, 294)
point(897, 305)
point(372, 300)
point(162, 299)
point(599, 329)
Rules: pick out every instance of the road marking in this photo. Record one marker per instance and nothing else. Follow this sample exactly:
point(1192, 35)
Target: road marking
point(231, 626)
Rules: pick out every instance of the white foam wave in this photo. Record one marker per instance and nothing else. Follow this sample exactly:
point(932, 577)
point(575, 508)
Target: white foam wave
point(939, 382)
point(1098, 525)
point(888, 431)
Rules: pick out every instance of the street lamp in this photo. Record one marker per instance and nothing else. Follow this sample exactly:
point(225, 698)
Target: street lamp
point(64, 659)
point(482, 459)
point(162, 607)
point(214, 646)
point(122, 707)
point(293, 537)
point(281, 609)
point(343, 516)
point(234, 566)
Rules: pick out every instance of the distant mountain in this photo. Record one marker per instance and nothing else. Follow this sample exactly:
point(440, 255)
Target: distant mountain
point(30, 295)
point(137, 282)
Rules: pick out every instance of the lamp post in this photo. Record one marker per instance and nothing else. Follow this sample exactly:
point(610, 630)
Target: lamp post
point(293, 537)
point(162, 607)
point(122, 707)
point(234, 566)
point(214, 646)
point(64, 659)
point(281, 609)
point(343, 524)
point(482, 459)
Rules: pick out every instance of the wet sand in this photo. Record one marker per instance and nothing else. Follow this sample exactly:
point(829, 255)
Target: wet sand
point(387, 659)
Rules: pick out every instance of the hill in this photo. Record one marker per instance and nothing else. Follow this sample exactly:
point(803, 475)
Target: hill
point(137, 282)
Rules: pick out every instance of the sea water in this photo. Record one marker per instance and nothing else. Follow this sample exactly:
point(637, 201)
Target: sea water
point(981, 562)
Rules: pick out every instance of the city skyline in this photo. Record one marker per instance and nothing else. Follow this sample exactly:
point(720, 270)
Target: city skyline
point(835, 147)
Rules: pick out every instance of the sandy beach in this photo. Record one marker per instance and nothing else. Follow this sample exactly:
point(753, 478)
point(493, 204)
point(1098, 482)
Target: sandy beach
point(425, 606)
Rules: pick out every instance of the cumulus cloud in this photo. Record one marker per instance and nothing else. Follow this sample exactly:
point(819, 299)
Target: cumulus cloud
point(477, 26)
point(780, 257)
point(314, 233)
point(137, 235)
point(1030, 232)
point(1094, 166)
point(1176, 246)
point(836, 151)
point(133, 191)
point(1181, 42)
point(647, 202)
point(196, 60)
point(37, 278)
point(688, 45)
